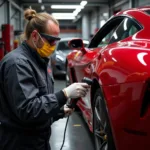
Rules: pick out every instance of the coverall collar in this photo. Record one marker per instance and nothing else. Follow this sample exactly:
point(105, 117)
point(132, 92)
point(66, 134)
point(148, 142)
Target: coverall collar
point(34, 53)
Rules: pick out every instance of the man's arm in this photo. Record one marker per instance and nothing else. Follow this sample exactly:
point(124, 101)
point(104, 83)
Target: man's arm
point(22, 93)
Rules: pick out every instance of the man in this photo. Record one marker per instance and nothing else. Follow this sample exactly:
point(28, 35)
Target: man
point(28, 105)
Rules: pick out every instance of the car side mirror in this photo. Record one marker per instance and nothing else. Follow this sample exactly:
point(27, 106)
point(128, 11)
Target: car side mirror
point(77, 44)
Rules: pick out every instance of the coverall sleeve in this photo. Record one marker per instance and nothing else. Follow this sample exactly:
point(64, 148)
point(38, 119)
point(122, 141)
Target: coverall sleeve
point(22, 93)
point(60, 115)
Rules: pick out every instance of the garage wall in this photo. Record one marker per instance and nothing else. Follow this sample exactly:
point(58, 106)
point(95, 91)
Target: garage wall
point(143, 2)
point(85, 26)
point(93, 22)
point(69, 29)
point(72, 34)
point(103, 15)
point(121, 6)
point(3, 15)
point(125, 6)
point(15, 20)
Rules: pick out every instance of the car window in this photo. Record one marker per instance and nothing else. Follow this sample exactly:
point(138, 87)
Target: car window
point(63, 45)
point(148, 12)
point(106, 39)
point(103, 36)
point(127, 28)
point(86, 43)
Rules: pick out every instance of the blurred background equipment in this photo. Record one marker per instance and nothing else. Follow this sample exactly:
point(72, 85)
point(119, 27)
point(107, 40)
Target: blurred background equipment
point(58, 59)
point(17, 38)
point(2, 51)
point(8, 36)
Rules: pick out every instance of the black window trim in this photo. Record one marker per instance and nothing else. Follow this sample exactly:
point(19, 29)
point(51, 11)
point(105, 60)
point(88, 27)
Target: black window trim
point(110, 20)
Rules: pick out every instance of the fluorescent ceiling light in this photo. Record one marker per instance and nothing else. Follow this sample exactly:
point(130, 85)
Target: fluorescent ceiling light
point(39, 1)
point(64, 17)
point(66, 6)
point(62, 14)
point(42, 7)
point(76, 11)
point(83, 3)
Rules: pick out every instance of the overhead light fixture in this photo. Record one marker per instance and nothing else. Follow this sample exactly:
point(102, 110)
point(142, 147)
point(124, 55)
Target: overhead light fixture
point(62, 14)
point(66, 6)
point(83, 3)
point(68, 16)
point(42, 7)
point(64, 17)
point(39, 1)
point(76, 11)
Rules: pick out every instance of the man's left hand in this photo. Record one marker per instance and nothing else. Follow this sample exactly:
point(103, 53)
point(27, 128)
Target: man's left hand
point(68, 111)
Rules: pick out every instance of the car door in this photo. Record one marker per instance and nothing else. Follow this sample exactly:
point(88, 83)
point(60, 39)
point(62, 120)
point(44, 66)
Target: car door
point(85, 62)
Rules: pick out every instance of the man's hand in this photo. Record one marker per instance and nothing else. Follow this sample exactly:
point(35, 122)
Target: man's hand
point(68, 111)
point(76, 90)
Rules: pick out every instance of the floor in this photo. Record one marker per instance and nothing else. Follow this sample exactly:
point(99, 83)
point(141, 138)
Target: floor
point(78, 136)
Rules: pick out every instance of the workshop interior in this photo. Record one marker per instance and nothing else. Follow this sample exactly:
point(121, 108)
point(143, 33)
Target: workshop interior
point(106, 44)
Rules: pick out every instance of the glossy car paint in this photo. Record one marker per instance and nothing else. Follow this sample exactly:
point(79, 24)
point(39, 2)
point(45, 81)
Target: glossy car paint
point(122, 70)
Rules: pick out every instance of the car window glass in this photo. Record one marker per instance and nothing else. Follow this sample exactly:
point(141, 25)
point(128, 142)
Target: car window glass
point(103, 36)
point(106, 39)
point(127, 28)
point(148, 12)
point(63, 45)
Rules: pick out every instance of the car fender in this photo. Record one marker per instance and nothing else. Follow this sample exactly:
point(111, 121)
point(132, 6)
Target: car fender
point(122, 63)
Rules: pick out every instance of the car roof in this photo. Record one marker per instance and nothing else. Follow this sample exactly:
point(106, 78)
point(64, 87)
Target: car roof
point(128, 11)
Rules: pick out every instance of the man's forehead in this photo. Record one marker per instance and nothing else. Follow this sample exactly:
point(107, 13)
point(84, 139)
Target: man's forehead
point(52, 28)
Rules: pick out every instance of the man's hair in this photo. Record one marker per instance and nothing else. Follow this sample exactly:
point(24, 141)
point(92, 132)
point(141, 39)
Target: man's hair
point(36, 21)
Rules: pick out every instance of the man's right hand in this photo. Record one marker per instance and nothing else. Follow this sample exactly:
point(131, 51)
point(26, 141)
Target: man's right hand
point(76, 90)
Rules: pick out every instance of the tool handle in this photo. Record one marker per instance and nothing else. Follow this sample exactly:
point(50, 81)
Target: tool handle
point(73, 102)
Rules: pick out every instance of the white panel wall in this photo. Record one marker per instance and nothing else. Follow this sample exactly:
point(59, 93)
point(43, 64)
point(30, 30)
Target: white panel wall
point(103, 15)
point(85, 27)
point(93, 22)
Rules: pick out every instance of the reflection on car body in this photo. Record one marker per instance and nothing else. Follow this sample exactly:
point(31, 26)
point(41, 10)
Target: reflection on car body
point(117, 106)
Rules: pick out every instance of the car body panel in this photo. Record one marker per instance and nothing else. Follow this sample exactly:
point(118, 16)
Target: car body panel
point(122, 71)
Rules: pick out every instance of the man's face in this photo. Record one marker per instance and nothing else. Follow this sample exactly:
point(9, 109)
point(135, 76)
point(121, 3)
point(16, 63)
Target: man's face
point(52, 30)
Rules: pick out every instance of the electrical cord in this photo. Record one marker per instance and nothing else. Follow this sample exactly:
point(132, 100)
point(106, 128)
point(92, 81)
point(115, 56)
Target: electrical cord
point(72, 105)
point(64, 133)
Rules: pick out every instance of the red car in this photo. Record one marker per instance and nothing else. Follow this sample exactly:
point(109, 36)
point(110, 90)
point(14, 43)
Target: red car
point(117, 106)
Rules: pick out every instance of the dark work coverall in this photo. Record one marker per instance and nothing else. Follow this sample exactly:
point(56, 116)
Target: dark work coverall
point(28, 105)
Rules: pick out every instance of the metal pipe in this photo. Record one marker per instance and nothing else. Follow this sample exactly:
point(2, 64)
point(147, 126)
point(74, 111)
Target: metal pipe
point(15, 5)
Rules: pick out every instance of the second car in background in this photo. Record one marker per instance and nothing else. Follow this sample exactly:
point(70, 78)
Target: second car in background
point(58, 59)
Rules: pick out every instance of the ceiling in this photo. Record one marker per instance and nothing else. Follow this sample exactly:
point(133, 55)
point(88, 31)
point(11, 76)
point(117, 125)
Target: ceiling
point(91, 4)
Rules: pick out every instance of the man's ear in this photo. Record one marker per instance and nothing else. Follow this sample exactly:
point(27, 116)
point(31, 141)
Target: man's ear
point(35, 35)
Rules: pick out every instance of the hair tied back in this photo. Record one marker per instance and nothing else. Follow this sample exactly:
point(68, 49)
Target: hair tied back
point(29, 14)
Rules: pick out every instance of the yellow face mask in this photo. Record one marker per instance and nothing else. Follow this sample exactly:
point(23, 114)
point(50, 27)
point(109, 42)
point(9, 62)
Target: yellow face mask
point(46, 50)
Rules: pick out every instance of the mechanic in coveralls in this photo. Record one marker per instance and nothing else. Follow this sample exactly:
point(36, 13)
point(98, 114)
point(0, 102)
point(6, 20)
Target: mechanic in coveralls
point(28, 105)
